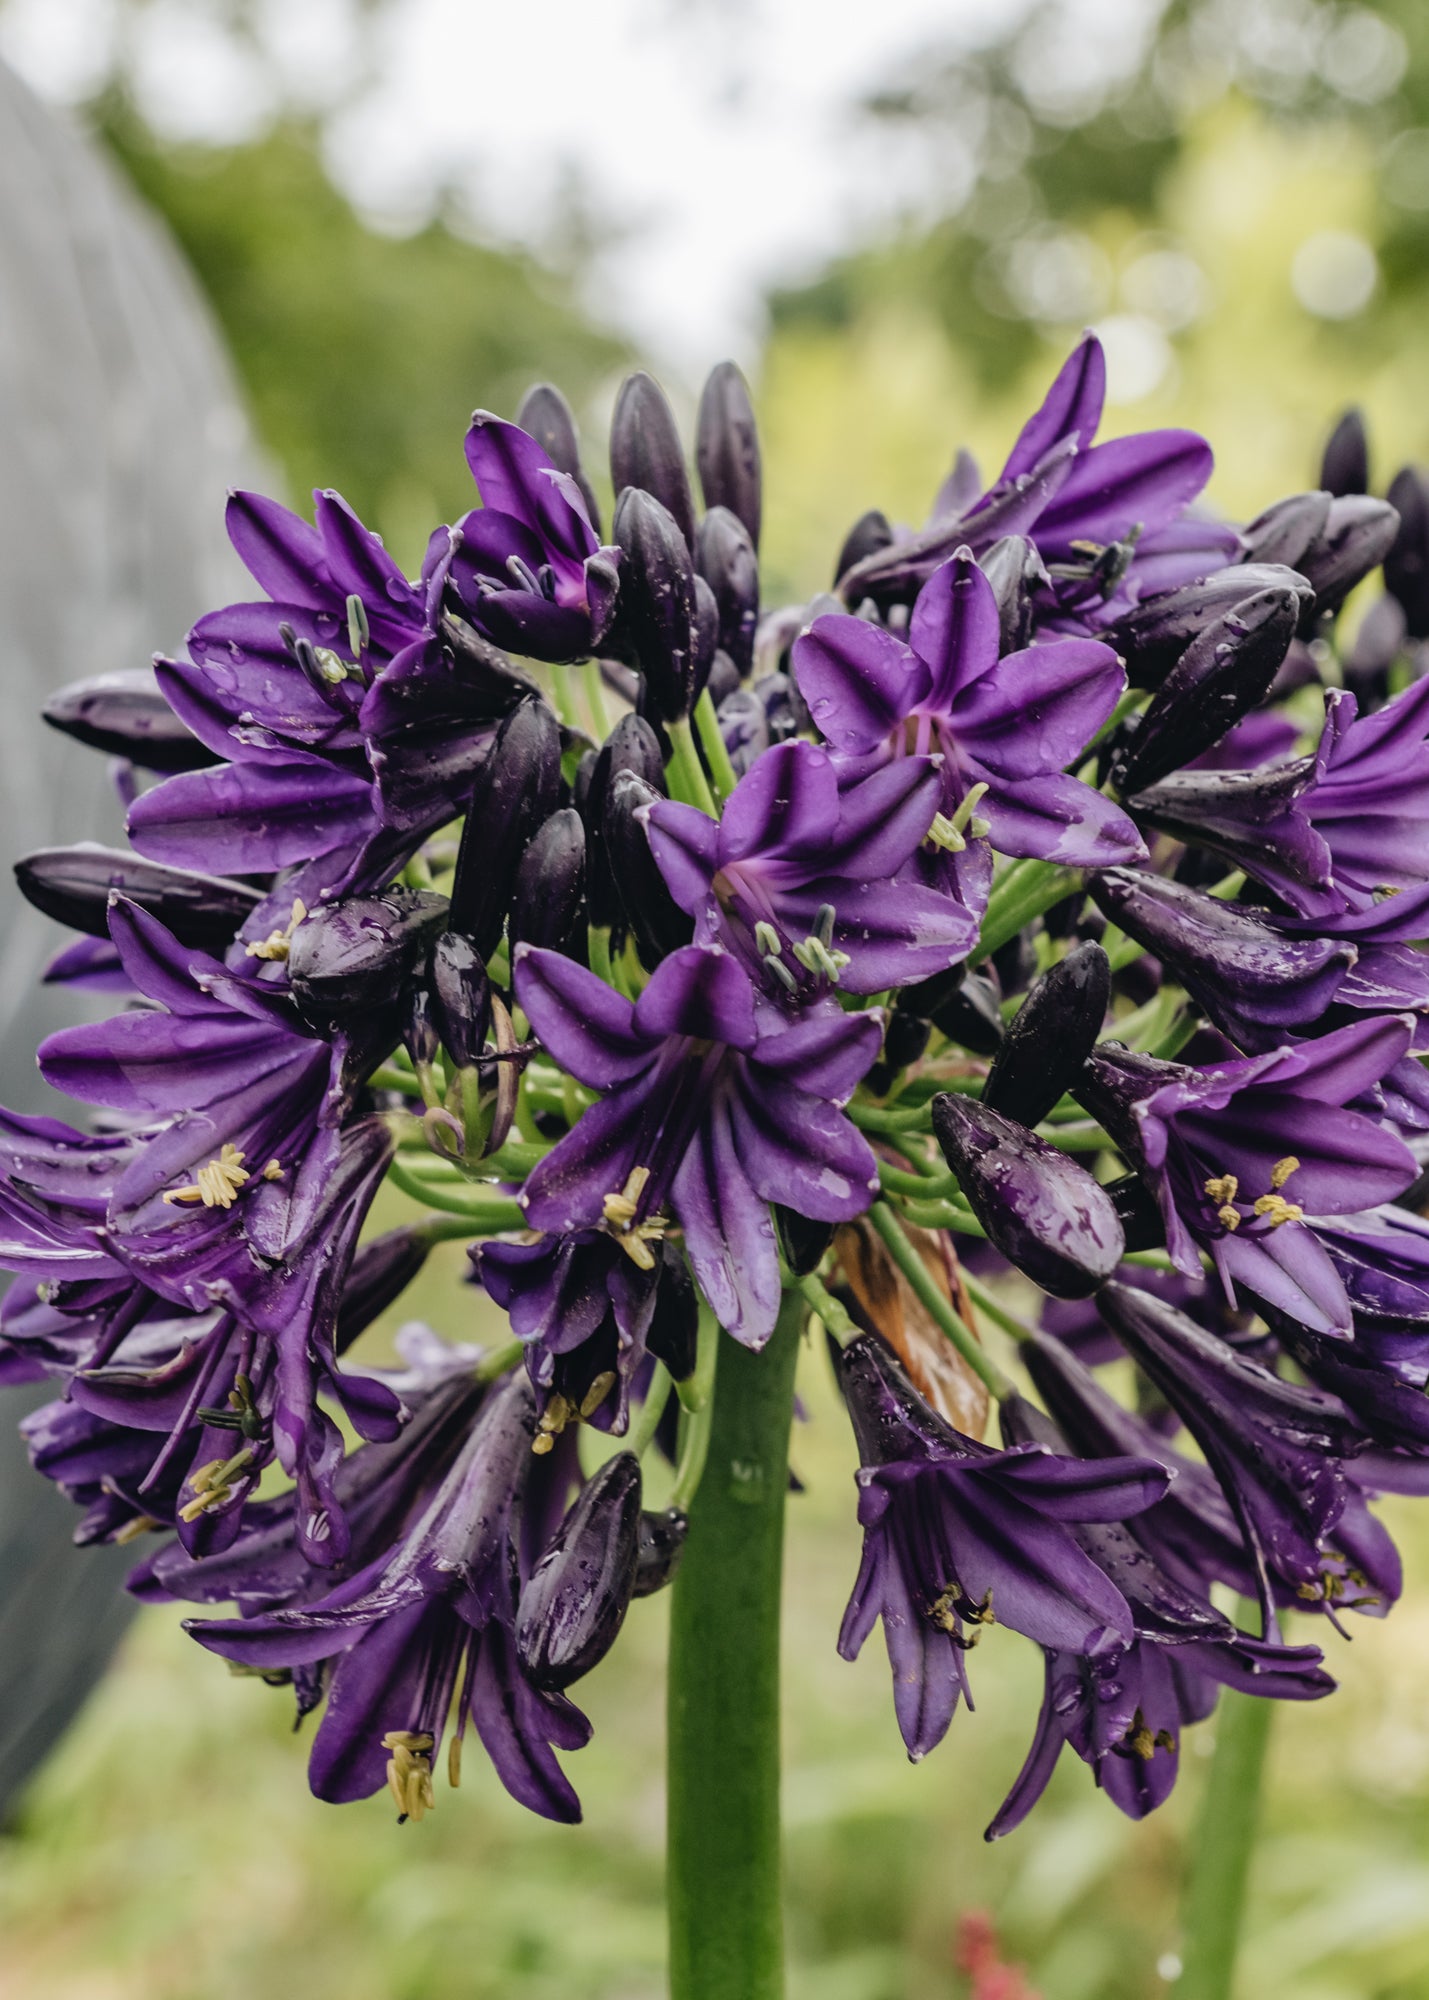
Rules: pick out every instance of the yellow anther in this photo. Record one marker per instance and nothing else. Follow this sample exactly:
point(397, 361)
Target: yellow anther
point(542, 1443)
point(1143, 1743)
point(454, 1760)
point(1223, 1188)
point(332, 666)
point(599, 1389)
point(275, 945)
point(212, 1484)
point(1282, 1170)
point(1277, 1210)
point(131, 1531)
point(216, 1183)
point(1228, 1217)
point(620, 1211)
point(272, 1172)
point(409, 1772)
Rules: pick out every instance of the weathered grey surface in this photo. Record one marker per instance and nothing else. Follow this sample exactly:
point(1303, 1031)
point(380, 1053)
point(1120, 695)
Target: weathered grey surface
point(120, 428)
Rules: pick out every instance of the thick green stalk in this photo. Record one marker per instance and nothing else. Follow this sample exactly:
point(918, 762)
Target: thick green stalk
point(724, 1886)
point(1222, 1846)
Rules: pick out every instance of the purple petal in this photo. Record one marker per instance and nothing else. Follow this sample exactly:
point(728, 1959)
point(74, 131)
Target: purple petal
point(798, 1150)
point(514, 476)
point(786, 805)
point(700, 991)
point(954, 630)
point(1057, 818)
point(588, 1027)
point(685, 843)
point(825, 1051)
point(280, 550)
point(1036, 711)
point(728, 1233)
point(1072, 408)
point(250, 818)
point(1132, 482)
point(858, 680)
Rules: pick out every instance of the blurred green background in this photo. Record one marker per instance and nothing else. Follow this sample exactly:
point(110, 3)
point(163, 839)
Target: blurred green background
point(1239, 198)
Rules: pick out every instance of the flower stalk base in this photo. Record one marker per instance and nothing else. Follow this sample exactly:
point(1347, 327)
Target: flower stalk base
point(724, 1870)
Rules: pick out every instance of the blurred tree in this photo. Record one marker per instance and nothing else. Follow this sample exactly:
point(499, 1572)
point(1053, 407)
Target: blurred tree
point(362, 354)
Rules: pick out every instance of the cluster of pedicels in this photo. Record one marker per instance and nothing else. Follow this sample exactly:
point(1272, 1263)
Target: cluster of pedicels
point(1040, 905)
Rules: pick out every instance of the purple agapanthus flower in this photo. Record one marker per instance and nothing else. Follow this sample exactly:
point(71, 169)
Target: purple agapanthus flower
point(713, 1108)
point(427, 1620)
point(529, 569)
point(1239, 1153)
point(1340, 836)
point(1007, 726)
point(801, 877)
point(959, 1535)
point(1109, 521)
point(1123, 1714)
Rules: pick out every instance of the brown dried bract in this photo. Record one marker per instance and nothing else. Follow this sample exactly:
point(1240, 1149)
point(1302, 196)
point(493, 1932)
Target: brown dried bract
point(888, 1303)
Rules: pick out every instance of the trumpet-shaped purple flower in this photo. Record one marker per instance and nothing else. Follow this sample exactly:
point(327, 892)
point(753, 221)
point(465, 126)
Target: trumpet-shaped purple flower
point(1009, 725)
point(1341, 836)
point(431, 1618)
point(801, 879)
point(529, 569)
point(1239, 1153)
point(713, 1107)
point(958, 1534)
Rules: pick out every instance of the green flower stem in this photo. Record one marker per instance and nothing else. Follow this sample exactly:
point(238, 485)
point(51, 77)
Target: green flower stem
point(928, 1187)
point(1082, 1137)
point(695, 1391)
point(988, 1302)
point(642, 1431)
point(950, 1321)
point(833, 1315)
point(387, 1076)
point(873, 1118)
point(1024, 892)
point(562, 693)
point(486, 1217)
point(500, 1361)
point(1222, 1846)
point(688, 782)
point(598, 948)
point(724, 1875)
point(716, 756)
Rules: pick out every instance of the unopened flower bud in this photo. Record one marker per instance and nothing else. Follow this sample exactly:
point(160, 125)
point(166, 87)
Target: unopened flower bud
point(725, 558)
point(1285, 531)
point(546, 415)
point(1226, 671)
point(351, 957)
point(1406, 567)
point(575, 1601)
point(1359, 533)
point(1040, 1209)
point(631, 746)
point(419, 1029)
point(1014, 569)
point(657, 923)
point(126, 715)
point(548, 907)
point(517, 789)
point(662, 1543)
point(1050, 1037)
point(802, 1242)
point(963, 1004)
point(461, 998)
point(656, 613)
point(73, 885)
point(645, 452)
point(727, 448)
point(870, 533)
point(1138, 1212)
point(1345, 465)
point(379, 1274)
point(673, 1333)
point(1152, 637)
point(706, 635)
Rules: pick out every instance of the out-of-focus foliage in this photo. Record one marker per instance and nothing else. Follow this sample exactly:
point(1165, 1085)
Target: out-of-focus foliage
point(363, 354)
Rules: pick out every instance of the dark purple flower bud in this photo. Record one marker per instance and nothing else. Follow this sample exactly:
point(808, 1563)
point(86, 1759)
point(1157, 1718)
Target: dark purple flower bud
point(1406, 567)
point(350, 957)
point(548, 907)
point(517, 789)
point(870, 533)
point(802, 1242)
point(575, 1602)
point(674, 1329)
point(73, 885)
point(1345, 465)
point(461, 998)
point(419, 1029)
point(1014, 569)
point(379, 1274)
point(662, 1543)
point(964, 1005)
point(126, 715)
point(657, 615)
point(1040, 1209)
point(1236, 968)
point(1226, 671)
point(656, 921)
point(727, 448)
point(1152, 637)
point(723, 682)
point(645, 452)
point(546, 414)
point(706, 635)
point(1358, 535)
point(1050, 1037)
point(1288, 530)
point(725, 558)
point(631, 746)
point(1377, 645)
point(1138, 1212)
